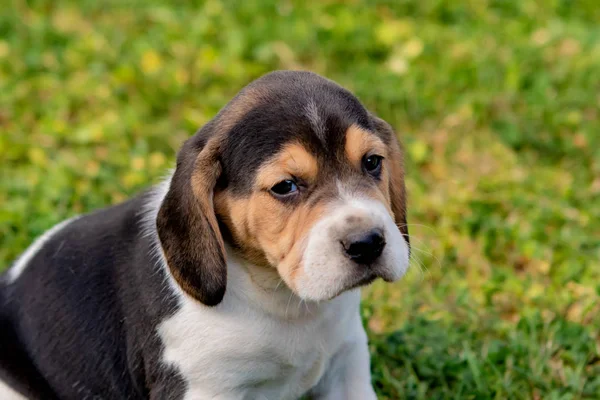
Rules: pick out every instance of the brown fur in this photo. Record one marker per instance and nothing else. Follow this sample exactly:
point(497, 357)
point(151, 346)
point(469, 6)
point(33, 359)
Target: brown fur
point(293, 161)
point(188, 228)
point(397, 187)
point(360, 142)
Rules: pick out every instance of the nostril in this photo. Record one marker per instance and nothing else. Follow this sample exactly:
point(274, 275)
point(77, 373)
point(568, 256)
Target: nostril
point(365, 248)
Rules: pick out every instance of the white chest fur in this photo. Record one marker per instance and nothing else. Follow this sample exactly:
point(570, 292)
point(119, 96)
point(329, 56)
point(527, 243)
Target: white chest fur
point(256, 344)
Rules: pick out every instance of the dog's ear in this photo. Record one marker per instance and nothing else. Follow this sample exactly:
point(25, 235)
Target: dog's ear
point(187, 225)
point(396, 162)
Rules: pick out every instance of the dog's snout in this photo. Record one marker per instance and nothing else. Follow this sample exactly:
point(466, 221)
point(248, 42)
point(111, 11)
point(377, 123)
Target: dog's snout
point(365, 248)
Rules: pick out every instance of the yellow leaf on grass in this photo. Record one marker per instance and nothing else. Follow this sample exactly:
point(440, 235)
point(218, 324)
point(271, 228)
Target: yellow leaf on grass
point(138, 163)
point(92, 168)
point(418, 151)
point(541, 37)
point(574, 117)
point(157, 160)
point(389, 32)
point(535, 290)
point(37, 156)
point(397, 64)
point(413, 48)
point(151, 62)
point(4, 49)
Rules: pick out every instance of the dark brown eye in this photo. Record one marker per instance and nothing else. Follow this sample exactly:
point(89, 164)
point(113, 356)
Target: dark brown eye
point(285, 188)
point(372, 164)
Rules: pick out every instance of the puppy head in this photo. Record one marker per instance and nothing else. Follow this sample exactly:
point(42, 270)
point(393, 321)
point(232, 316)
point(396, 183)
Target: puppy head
point(297, 176)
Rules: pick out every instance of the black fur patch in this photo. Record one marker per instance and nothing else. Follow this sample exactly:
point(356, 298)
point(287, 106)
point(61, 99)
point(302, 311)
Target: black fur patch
point(80, 321)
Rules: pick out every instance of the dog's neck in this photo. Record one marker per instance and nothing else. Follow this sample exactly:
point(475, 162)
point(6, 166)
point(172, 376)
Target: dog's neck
point(263, 287)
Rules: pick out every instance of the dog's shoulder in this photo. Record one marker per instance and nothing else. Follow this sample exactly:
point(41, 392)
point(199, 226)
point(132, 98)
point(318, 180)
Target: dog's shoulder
point(82, 248)
point(87, 291)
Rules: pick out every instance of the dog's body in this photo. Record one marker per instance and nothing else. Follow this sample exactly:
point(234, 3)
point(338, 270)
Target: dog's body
point(129, 302)
point(88, 325)
point(78, 320)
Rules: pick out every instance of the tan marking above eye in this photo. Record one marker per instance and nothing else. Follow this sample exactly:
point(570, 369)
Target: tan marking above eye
point(360, 142)
point(292, 160)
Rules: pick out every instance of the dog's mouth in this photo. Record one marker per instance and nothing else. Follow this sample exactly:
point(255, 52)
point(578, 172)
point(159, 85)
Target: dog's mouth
point(364, 281)
point(358, 281)
point(369, 275)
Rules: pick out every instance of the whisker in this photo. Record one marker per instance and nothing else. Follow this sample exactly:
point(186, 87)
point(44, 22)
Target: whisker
point(278, 284)
point(421, 225)
point(288, 303)
point(435, 258)
point(302, 301)
point(428, 253)
point(275, 290)
point(421, 251)
point(421, 267)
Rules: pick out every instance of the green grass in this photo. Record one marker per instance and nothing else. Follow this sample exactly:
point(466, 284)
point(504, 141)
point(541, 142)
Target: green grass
point(497, 103)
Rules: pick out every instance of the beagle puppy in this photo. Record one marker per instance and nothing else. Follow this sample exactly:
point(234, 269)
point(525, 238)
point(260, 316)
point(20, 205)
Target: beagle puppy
point(236, 278)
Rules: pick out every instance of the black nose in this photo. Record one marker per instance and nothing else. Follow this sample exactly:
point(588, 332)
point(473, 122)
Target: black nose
point(366, 247)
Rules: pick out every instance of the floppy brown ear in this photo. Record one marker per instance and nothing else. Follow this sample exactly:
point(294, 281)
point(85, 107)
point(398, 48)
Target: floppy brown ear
point(396, 162)
point(187, 225)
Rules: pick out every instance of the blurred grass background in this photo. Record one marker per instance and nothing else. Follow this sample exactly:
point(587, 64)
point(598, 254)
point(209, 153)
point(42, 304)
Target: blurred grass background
point(497, 103)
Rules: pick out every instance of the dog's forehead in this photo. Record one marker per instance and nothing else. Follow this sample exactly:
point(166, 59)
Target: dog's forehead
point(286, 107)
